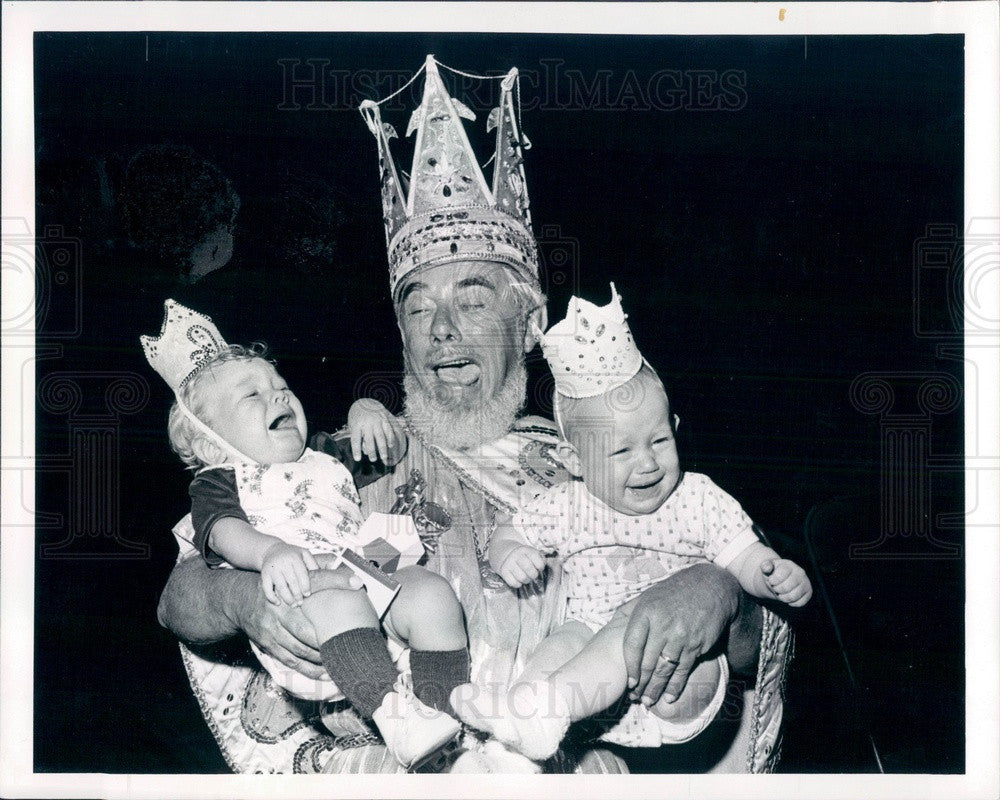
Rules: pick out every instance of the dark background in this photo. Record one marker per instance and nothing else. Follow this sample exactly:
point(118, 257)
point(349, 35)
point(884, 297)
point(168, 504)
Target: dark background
point(761, 222)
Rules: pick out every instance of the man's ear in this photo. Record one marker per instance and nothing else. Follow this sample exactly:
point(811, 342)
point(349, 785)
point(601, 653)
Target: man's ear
point(567, 455)
point(537, 320)
point(207, 451)
point(677, 423)
point(397, 313)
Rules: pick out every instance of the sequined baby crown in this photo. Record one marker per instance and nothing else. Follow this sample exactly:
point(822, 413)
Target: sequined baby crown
point(186, 343)
point(591, 351)
point(448, 213)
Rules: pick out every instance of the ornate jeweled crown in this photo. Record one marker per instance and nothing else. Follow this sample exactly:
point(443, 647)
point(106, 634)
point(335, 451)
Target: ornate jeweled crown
point(448, 212)
point(591, 351)
point(187, 342)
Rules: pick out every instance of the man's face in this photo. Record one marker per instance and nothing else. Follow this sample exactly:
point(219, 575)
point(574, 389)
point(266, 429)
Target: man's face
point(250, 406)
point(627, 457)
point(461, 331)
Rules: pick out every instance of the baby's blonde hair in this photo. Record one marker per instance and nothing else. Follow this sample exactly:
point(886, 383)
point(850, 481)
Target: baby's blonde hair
point(182, 433)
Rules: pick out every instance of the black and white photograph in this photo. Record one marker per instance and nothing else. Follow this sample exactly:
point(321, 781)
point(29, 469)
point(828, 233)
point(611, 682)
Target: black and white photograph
point(468, 399)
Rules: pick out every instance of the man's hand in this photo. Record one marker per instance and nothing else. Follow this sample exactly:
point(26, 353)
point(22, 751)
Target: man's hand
point(375, 432)
point(283, 631)
point(522, 565)
point(672, 625)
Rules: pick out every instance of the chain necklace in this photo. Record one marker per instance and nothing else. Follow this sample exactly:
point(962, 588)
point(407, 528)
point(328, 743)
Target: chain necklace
point(447, 472)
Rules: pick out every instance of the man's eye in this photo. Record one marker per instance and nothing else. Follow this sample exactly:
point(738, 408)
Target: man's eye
point(623, 451)
point(662, 439)
point(474, 298)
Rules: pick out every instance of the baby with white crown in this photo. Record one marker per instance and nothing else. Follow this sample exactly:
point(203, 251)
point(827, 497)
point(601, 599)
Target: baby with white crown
point(264, 501)
point(629, 519)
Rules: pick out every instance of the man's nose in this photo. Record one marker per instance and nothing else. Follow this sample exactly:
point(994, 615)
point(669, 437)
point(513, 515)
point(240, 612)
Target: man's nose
point(443, 328)
point(281, 396)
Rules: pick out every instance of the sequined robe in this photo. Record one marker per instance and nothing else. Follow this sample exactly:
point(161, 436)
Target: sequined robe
point(260, 728)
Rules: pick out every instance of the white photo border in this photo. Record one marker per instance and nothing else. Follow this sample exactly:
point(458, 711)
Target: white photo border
point(977, 21)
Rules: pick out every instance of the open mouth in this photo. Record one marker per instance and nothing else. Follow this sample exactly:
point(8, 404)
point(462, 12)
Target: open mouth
point(283, 421)
point(457, 372)
point(644, 487)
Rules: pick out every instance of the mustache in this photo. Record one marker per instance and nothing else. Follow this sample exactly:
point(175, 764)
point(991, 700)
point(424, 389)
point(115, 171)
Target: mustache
point(461, 426)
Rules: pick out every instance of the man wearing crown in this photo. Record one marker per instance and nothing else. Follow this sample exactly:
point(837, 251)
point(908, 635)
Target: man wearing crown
point(464, 277)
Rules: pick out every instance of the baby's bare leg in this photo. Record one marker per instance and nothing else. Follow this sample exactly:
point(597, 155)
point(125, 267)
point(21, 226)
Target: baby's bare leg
point(426, 614)
point(335, 611)
point(555, 650)
point(353, 649)
point(697, 696)
point(572, 675)
point(594, 678)
point(487, 707)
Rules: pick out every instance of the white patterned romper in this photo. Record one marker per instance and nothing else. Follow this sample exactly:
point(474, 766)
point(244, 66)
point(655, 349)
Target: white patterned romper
point(310, 503)
point(609, 558)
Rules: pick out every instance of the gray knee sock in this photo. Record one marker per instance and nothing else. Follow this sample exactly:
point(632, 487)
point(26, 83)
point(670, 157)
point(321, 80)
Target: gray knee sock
point(436, 673)
point(359, 664)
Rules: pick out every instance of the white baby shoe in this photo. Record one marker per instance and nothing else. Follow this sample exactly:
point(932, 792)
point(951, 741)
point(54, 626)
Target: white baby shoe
point(413, 732)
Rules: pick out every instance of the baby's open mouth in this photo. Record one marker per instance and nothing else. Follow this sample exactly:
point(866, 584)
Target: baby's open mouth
point(283, 421)
point(643, 486)
point(457, 372)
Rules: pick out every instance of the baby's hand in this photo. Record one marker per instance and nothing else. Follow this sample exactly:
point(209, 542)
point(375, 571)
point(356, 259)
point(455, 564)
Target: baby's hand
point(284, 573)
point(522, 565)
point(788, 581)
point(375, 432)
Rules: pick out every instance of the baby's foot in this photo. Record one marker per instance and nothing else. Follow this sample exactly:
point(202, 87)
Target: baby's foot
point(532, 718)
point(477, 707)
point(505, 761)
point(471, 762)
point(413, 732)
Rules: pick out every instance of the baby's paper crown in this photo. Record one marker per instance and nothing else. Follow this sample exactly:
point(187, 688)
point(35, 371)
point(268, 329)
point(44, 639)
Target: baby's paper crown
point(591, 351)
point(448, 212)
point(187, 342)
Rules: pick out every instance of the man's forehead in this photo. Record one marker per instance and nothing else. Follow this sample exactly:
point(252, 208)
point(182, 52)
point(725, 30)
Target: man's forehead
point(456, 275)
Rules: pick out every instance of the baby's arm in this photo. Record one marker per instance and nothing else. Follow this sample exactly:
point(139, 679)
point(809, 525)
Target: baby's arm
point(763, 573)
point(222, 532)
point(375, 432)
point(512, 559)
point(283, 567)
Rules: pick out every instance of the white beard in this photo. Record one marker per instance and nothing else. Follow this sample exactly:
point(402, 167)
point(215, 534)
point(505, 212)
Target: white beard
point(460, 427)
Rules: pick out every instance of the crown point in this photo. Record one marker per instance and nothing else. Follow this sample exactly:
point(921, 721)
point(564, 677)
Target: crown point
point(446, 176)
point(186, 338)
